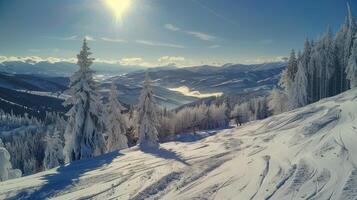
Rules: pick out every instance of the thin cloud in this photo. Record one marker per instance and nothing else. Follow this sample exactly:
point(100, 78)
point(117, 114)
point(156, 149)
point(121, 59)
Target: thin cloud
point(35, 59)
point(260, 60)
point(201, 36)
point(197, 34)
point(171, 59)
point(131, 60)
point(74, 37)
point(113, 40)
point(171, 27)
point(159, 44)
point(89, 38)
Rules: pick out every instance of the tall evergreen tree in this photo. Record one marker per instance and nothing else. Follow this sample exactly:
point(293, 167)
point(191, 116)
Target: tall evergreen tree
point(351, 32)
point(53, 151)
point(83, 135)
point(300, 87)
point(292, 65)
point(277, 101)
point(147, 119)
point(116, 123)
point(351, 70)
point(288, 76)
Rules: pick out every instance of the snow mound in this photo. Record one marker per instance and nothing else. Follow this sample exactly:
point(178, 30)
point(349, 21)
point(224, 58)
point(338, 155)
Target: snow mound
point(307, 153)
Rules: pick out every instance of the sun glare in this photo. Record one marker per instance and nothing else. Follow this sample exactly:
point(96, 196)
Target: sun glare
point(119, 8)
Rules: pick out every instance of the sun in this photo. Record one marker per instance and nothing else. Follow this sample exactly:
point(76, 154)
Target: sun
point(119, 8)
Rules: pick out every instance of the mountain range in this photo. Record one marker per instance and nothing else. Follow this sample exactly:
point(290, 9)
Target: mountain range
point(173, 86)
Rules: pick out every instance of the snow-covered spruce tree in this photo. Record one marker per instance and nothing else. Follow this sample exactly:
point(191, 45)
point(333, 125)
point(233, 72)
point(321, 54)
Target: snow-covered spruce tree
point(277, 101)
point(327, 67)
point(131, 132)
point(83, 135)
point(344, 42)
point(288, 76)
point(300, 87)
point(116, 123)
point(147, 119)
point(6, 171)
point(351, 70)
point(54, 150)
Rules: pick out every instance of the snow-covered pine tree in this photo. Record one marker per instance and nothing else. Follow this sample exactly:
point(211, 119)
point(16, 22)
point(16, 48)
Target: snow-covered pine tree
point(300, 87)
point(83, 135)
point(323, 61)
point(116, 123)
point(344, 42)
point(6, 171)
point(305, 61)
point(277, 101)
point(147, 119)
point(351, 32)
point(288, 76)
point(351, 70)
point(292, 66)
point(54, 150)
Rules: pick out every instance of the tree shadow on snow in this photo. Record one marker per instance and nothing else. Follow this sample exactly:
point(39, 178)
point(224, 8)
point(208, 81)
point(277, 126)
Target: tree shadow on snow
point(66, 176)
point(163, 153)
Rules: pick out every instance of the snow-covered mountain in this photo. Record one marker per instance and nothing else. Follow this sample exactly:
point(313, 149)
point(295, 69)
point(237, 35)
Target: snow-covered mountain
point(60, 68)
point(307, 153)
point(175, 87)
point(32, 94)
point(229, 78)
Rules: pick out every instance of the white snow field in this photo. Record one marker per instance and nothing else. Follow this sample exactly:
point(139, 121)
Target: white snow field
point(308, 153)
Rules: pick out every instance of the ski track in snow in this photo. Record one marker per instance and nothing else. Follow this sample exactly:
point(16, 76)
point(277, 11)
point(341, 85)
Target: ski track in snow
point(308, 153)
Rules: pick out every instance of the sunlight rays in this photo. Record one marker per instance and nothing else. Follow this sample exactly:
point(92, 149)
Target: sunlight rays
point(119, 8)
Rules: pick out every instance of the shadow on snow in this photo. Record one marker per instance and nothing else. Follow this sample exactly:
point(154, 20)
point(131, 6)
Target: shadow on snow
point(66, 176)
point(163, 153)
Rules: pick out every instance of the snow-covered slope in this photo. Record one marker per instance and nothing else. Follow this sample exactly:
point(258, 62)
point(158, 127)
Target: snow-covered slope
point(308, 153)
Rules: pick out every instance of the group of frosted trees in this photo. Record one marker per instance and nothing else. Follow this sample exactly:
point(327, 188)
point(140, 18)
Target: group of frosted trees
point(324, 68)
point(193, 119)
point(30, 142)
point(93, 128)
point(252, 109)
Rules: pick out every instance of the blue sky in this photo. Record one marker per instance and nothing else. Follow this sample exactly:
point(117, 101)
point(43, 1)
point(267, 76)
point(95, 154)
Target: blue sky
point(155, 32)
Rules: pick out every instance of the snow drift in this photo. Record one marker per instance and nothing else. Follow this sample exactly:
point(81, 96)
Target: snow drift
point(307, 153)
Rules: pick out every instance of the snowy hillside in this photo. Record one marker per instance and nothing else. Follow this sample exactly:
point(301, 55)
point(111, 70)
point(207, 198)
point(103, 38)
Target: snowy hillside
point(308, 153)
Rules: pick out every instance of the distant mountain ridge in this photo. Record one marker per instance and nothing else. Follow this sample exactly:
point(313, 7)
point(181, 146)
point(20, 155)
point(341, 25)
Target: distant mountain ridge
point(62, 68)
point(228, 79)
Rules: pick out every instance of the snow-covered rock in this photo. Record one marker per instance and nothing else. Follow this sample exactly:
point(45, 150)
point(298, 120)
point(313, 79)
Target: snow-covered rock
point(308, 153)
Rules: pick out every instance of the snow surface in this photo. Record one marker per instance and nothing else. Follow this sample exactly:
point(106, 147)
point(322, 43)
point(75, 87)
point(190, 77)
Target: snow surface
point(308, 153)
